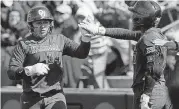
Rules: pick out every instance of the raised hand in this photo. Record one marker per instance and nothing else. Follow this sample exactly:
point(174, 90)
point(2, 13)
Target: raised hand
point(89, 25)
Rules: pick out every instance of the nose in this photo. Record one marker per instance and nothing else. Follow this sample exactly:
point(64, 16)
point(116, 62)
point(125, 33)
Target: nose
point(42, 26)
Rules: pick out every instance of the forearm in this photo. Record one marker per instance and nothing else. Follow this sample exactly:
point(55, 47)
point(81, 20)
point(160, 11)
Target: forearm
point(149, 85)
point(120, 33)
point(73, 49)
point(83, 50)
point(16, 70)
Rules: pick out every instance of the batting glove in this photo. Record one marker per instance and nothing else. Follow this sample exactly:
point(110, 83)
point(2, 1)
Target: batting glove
point(37, 69)
point(93, 28)
point(144, 101)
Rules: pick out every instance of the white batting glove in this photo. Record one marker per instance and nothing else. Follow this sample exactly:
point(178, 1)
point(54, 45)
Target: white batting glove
point(37, 69)
point(89, 25)
point(144, 101)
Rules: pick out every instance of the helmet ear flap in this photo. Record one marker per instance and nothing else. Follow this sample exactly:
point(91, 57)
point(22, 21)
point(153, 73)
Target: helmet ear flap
point(51, 26)
point(52, 23)
point(30, 27)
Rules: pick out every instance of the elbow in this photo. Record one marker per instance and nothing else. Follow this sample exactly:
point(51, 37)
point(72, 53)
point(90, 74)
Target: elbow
point(11, 75)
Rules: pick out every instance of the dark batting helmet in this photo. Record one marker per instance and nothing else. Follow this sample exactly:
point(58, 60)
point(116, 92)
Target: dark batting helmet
point(145, 13)
point(144, 9)
point(39, 13)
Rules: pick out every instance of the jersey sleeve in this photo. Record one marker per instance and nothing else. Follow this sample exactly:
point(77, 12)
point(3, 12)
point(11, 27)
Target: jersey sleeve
point(74, 49)
point(16, 69)
point(120, 33)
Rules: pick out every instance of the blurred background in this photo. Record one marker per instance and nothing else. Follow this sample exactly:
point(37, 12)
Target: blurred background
point(107, 72)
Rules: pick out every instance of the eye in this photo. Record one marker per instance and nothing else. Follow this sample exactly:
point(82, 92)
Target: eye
point(46, 22)
point(38, 23)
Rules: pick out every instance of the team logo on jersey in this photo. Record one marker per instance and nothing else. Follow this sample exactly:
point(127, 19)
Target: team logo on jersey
point(41, 48)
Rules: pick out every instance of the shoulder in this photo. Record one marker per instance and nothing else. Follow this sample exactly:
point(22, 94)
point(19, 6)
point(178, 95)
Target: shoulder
point(150, 35)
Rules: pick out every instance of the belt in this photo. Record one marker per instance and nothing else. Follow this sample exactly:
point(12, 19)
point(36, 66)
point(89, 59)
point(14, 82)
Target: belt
point(46, 94)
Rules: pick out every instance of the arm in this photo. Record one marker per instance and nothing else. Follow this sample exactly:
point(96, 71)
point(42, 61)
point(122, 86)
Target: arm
point(155, 62)
point(73, 49)
point(120, 33)
point(16, 69)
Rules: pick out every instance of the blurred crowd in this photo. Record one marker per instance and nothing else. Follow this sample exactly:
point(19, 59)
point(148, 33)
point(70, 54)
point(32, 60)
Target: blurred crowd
point(107, 57)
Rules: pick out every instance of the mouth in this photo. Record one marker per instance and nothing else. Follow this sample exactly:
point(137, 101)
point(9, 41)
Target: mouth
point(43, 31)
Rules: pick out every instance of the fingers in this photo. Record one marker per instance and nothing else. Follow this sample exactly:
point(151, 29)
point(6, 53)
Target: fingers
point(43, 69)
point(46, 66)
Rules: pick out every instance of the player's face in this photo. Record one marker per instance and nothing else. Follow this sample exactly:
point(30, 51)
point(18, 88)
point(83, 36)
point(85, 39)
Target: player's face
point(137, 22)
point(41, 28)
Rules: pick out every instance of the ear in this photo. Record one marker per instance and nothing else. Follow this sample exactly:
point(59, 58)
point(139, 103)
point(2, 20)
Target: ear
point(52, 23)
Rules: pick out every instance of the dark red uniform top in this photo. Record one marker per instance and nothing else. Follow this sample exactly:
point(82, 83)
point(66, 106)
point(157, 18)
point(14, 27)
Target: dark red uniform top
point(148, 58)
point(49, 51)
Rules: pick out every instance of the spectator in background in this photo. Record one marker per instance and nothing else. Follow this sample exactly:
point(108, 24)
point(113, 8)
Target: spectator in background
point(92, 69)
point(14, 29)
point(95, 65)
point(16, 23)
point(8, 41)
point(27, 5)
point(64, 21)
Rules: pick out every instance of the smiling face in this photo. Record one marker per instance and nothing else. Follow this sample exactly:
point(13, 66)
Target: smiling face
point(41, 28)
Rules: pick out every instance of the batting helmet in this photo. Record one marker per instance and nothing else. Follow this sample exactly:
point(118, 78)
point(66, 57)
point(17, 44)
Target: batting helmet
point(144, 9)
point(146, 14)
point(39, 13)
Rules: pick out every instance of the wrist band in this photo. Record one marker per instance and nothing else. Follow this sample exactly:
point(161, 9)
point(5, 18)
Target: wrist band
point(176, 45)
point(101, 31)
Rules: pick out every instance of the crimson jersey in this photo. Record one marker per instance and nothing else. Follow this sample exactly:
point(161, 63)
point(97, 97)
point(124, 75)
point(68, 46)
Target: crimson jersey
point(49, 51)
point(149, 58)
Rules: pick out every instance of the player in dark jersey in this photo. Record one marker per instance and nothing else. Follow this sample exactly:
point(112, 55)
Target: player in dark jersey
point(37, 61)
point(149, 60)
